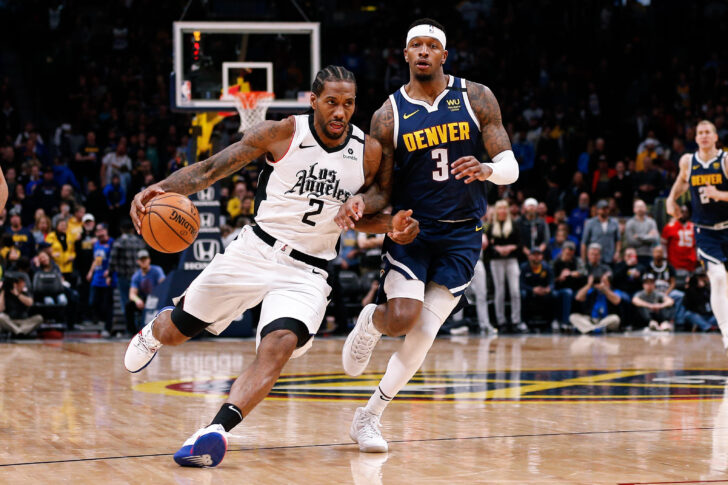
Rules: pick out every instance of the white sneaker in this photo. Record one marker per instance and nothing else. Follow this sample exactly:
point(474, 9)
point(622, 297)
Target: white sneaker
point(360, 343)
point(365, 431)
point(143, 347)
point(581, 322)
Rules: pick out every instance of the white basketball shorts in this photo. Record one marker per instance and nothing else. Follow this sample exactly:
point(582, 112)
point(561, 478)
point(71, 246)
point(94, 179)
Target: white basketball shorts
point(250, 271)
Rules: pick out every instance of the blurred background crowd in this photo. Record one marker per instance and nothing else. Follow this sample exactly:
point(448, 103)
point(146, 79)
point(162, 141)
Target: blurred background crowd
point(600, 99)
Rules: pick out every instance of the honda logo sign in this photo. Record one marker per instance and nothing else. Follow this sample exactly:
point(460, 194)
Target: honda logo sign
point(207, 219)
point(205, 249)
point(207, 194)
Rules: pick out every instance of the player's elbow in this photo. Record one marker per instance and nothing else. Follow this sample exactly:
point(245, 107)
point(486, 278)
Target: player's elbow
point(505, 168)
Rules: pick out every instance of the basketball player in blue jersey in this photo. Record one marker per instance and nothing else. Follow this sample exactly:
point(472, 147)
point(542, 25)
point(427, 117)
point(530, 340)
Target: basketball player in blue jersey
point(705, 174)
point(429, 131)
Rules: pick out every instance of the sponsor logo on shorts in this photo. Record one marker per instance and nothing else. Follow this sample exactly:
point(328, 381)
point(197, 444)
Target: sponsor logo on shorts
point(521, 387)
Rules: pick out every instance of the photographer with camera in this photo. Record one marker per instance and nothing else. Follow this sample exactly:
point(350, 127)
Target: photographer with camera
point(15, 302)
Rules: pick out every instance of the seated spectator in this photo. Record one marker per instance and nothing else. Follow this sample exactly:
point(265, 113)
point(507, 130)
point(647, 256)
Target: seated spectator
point(64, 212)
point(46, 193)
point(652, 306)
point(628, 273)
point(235, 203)
point(593, 261)
point(553, 249)
point(62, 249)
point(569, 274)
point(41, 228)
point(143, 282)
point(600, 181)
point(603, 230)
point(503, 250)
point(75, 222)
point(599, 305)
point(86, 161)
point(641, 232)
point(698, 313)
point(537, 289)
point(532, 229)
point(579, 216)
point(649, 183)
point(679, 239)
point(621, 187)
point(15, 302)
point(665, 281)
point(50, 294)
point(115, 196)
point(22, 237)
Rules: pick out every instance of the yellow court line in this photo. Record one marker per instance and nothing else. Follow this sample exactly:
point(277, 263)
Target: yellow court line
point(516, 391)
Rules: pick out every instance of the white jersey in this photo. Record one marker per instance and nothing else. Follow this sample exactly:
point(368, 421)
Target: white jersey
point(299, 195)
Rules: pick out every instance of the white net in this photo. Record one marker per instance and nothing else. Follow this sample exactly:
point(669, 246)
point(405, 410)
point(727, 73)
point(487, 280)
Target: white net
point(252, 107)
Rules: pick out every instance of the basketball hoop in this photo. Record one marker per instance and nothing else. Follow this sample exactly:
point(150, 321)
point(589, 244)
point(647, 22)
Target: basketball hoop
point(252, 106)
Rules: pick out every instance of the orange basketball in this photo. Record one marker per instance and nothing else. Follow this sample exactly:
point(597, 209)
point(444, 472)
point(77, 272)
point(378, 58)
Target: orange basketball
point(171, 223)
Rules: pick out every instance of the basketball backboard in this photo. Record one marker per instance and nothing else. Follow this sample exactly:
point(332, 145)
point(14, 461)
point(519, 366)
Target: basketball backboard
point(211, 57)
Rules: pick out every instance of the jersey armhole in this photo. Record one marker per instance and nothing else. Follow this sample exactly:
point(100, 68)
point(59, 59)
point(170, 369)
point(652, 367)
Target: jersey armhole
point(290, 144)
point(395, 115)
point(467, 104)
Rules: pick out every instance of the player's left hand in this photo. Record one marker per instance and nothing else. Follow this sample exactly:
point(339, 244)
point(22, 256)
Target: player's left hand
point(350, 212)
point(471, 168)
point(404, 227)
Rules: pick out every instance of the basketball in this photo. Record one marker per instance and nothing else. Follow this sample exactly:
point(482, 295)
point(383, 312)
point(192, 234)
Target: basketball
point(171, 223)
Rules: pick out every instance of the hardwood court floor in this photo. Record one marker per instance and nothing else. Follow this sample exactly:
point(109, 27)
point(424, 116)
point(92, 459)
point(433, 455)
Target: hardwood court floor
point(586, 410)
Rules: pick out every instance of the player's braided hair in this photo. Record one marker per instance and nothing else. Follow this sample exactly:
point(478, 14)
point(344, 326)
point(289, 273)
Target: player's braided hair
point(331, 73)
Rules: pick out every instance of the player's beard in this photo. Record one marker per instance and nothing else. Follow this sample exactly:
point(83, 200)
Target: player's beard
point(335, 136)
point(423, 78)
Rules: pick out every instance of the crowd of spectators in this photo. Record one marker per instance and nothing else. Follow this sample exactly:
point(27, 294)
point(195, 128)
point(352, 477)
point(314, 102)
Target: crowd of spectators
point(599, 108)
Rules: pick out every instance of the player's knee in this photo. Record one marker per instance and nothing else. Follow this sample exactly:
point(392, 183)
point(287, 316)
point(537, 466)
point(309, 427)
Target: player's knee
point(278, 346)
point(402, 316)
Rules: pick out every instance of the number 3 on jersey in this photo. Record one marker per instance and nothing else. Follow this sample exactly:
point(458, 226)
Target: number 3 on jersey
point(443, 168)
point(317, 202)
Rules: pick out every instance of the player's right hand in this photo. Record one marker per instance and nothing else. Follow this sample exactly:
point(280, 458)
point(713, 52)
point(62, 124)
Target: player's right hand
point(350, 212)
point(138, 205)
point(404, 227)
point(671, 207)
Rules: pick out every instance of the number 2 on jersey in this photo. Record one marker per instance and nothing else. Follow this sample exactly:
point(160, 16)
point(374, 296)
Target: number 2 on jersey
point(443, 169)
point(320, 204)
point(704, 199)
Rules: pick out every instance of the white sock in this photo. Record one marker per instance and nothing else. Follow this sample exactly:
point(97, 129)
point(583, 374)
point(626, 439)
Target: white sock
point(719, 297)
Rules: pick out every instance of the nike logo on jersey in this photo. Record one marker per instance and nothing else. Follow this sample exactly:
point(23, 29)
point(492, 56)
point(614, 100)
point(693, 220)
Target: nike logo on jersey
point(305, 146)
point(316, 272)
point(410, 114)
point(478, 229)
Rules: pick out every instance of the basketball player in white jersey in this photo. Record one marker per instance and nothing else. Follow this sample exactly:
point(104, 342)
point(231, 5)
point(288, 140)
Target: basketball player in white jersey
point(314, 163)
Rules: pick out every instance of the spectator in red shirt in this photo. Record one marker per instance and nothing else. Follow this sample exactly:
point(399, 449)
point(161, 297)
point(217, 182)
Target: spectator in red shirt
point(678, 237)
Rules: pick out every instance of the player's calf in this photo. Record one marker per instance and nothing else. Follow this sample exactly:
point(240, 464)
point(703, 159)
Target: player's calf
point(398, 317)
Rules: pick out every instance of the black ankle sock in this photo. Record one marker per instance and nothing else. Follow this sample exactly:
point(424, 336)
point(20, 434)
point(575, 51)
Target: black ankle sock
point(228, 416)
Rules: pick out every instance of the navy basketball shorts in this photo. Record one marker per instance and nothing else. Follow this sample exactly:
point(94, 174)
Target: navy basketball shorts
point(444, 253)
point(712, 245)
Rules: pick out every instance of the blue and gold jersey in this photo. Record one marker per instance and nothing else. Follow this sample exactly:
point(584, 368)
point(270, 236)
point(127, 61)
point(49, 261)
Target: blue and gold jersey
point(706, 211)
point(427, 139)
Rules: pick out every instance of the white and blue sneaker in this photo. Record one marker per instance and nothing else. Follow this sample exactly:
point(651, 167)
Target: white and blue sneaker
point(205, 448)
point(143, 346)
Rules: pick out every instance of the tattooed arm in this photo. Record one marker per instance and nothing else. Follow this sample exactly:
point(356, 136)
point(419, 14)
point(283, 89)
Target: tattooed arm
point(495, 139)
point(379, 163)
point(268, 137)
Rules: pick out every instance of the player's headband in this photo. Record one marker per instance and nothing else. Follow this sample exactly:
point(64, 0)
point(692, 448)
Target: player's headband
point(426, 30)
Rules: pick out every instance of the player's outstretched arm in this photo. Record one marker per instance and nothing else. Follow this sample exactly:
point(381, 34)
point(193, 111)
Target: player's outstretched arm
point(266, 137)
point(680, 186)
point(378, 168)
point(504, 168)
point(400, 227)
